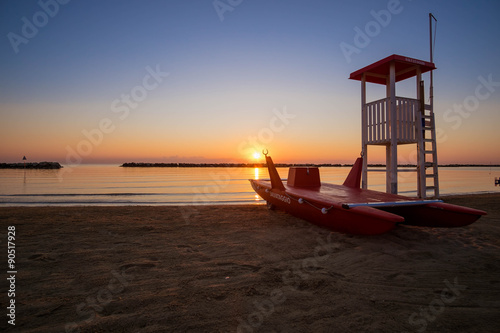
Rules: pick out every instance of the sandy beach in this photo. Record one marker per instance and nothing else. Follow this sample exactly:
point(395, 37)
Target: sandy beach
point(245, 269)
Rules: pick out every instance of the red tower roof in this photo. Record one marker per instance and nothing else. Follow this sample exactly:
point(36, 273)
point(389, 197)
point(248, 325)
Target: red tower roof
point(405, 68)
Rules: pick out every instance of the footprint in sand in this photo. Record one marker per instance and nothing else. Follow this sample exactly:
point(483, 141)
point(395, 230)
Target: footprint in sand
point(41, 257)
point(126, 267)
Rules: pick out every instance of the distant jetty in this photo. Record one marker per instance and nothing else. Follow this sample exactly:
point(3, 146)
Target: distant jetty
point(33, 165)
point(278, 165)
point(216, 165)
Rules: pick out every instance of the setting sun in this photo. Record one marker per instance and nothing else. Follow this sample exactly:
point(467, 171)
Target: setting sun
point(256, 155)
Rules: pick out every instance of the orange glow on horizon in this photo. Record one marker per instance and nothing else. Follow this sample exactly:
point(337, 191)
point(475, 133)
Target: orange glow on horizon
point(81, 144)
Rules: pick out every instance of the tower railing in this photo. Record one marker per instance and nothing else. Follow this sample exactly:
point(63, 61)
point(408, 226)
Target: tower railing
point(378, 120)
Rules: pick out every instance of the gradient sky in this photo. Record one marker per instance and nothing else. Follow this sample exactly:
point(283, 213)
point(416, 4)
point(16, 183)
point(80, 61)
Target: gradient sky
point(247, 75)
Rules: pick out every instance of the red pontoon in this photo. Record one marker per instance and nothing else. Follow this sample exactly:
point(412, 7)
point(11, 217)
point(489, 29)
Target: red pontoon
point(348, 208)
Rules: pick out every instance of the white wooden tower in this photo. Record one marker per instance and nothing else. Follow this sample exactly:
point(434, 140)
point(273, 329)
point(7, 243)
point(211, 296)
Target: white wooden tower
point(394, 121)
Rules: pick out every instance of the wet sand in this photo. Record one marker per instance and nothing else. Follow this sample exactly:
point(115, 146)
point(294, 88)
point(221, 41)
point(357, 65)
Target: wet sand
point(246, 269)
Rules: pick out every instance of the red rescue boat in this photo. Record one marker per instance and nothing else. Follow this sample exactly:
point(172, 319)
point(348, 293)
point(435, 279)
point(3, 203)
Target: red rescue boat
point(349, 209)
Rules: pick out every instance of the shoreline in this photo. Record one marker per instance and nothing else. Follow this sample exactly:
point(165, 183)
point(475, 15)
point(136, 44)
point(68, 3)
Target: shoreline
point(250, 203)
point(229, 268)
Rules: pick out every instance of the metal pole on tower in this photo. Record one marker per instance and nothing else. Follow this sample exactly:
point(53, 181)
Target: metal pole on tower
point(431, 88)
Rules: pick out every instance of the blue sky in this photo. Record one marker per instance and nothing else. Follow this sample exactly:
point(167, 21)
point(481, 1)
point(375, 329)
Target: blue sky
point(225, 77)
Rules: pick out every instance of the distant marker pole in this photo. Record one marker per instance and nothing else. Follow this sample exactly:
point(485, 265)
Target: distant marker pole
point(24, 160)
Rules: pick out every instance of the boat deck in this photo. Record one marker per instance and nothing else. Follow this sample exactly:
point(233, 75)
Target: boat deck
point(348, 196)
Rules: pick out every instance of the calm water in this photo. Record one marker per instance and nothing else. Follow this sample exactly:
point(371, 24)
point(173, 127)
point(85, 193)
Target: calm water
point(113, 185)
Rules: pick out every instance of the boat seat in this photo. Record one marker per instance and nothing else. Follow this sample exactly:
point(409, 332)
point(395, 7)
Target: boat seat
point(303, 177)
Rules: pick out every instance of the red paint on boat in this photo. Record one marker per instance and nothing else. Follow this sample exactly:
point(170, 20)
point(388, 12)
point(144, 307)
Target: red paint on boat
point(348, 208)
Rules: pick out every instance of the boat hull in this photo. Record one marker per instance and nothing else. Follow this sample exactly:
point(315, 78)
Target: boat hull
point(363, 220)
point(348, 208)
point(439, 214)
point(327, 213)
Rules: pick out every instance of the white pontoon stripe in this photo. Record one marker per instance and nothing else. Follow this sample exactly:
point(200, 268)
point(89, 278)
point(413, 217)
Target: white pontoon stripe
point(390, 204)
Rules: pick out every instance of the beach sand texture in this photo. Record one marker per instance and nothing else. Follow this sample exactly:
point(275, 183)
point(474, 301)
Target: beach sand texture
point(246, 269)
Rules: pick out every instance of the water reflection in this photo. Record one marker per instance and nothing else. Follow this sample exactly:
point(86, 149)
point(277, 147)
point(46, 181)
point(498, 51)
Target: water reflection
point(110, 184)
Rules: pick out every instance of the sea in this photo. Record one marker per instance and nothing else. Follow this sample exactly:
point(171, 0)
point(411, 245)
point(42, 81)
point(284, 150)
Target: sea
point(95, 185)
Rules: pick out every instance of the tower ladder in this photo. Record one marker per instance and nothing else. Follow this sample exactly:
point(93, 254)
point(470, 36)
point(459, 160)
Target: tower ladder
point(427, 148)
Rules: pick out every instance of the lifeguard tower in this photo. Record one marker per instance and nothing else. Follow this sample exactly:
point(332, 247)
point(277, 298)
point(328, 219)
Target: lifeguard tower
point(394, 121)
